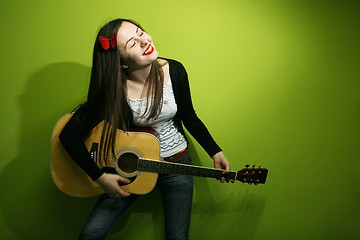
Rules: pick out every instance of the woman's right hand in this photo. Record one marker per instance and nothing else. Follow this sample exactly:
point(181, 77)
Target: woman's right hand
point(110, 183)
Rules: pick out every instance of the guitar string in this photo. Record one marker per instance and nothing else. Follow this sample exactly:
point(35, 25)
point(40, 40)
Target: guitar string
point(132, 163)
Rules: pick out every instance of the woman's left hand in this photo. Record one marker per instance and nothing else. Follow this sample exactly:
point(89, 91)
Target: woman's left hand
point(221, 162)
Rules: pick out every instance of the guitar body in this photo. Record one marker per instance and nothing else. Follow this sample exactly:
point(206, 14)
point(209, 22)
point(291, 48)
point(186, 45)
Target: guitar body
point(129, 146)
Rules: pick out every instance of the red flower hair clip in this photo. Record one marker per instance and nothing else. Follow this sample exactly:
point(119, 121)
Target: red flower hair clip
point(107, 42)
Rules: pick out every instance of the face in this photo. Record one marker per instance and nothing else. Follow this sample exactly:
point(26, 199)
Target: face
point(135, 46)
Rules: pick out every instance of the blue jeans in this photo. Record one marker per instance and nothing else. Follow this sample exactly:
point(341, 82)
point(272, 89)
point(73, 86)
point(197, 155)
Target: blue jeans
point(176, 191)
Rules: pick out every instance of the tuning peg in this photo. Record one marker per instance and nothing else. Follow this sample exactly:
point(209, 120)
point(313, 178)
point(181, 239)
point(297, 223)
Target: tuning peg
point(253, 166)
point(259, 166)
point(247, 165)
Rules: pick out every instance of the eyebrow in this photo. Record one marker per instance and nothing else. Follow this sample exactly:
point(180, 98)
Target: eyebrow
point(131, 38)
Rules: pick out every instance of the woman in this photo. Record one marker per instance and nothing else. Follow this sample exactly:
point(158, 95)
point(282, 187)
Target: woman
point(131, 86)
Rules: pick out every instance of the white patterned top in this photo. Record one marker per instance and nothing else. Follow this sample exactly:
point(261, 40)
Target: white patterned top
point(171, 140)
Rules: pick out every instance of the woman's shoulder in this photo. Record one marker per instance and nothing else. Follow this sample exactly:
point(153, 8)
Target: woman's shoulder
point(173, 64)
point(86, 116)
point(177, 73)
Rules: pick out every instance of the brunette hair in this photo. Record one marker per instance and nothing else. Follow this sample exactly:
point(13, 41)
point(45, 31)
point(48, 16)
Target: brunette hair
point(107, 90)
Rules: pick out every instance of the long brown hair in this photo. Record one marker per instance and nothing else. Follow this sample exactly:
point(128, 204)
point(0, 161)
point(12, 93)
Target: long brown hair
point(107, 90)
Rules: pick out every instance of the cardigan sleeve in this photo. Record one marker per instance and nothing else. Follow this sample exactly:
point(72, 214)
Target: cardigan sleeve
point(186, 112)
point(72, 137)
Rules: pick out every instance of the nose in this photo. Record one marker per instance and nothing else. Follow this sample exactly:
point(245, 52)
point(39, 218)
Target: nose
point(143, 42)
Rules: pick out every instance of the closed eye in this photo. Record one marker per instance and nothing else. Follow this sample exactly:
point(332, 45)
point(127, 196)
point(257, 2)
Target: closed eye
point(140, 34)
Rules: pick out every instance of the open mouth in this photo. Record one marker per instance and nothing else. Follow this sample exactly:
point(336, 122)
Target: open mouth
point(148, 50)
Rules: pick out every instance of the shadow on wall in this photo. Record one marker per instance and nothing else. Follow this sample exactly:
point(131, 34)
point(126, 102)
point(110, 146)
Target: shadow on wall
point(32, 206)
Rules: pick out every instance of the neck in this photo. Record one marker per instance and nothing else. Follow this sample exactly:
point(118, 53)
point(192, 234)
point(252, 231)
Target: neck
point(139, 74)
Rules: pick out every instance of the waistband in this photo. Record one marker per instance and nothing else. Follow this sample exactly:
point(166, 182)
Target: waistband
point(176, 156)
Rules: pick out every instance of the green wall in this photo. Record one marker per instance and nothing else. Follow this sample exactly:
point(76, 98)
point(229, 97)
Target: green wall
point(276, 82)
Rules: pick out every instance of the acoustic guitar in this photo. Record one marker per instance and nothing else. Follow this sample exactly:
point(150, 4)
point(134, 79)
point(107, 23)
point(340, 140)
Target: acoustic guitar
point(137, 158)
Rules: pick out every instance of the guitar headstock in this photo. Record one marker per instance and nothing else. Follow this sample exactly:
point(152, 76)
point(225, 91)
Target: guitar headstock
point(255, 175)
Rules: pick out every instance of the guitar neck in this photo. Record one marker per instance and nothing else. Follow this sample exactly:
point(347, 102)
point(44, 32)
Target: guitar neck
point(181, 169)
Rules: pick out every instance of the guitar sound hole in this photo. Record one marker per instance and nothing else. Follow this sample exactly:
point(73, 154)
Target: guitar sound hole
point(128, 162)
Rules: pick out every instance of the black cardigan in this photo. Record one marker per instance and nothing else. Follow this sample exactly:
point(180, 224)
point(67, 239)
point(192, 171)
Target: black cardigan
point(72, 136)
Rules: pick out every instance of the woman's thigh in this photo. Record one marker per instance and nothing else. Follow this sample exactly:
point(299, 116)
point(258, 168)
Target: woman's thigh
point(104, 215)
point(177, 193)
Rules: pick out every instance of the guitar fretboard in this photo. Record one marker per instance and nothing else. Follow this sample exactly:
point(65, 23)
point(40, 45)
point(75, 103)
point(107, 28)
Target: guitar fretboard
point(147, 165)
